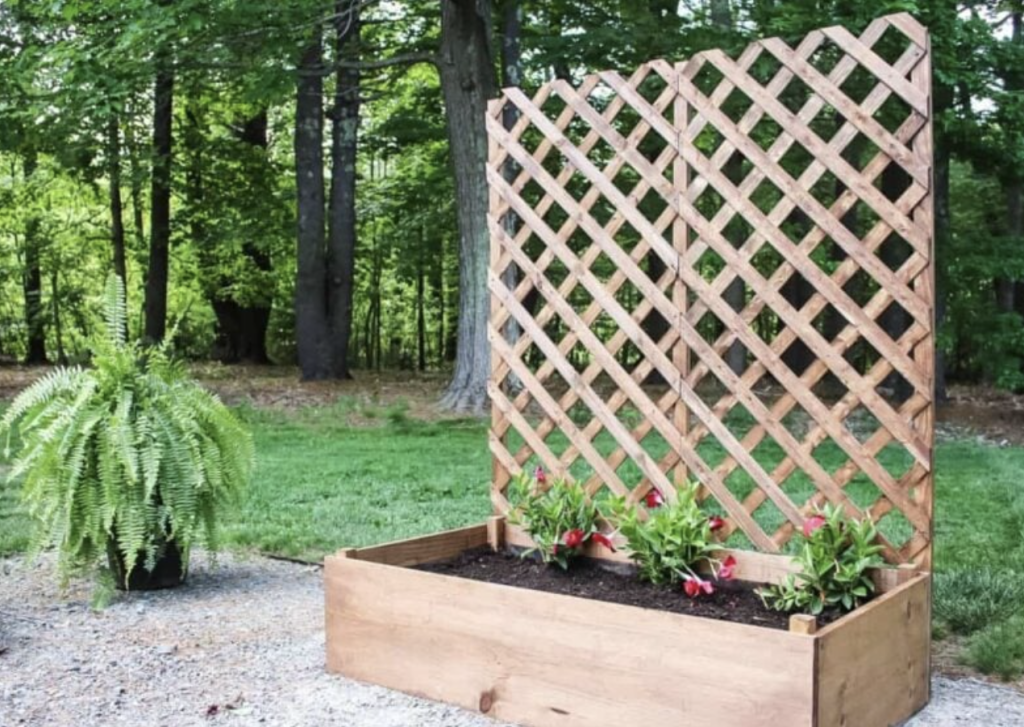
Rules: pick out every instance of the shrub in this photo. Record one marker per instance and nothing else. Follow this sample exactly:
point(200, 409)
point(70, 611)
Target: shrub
point(560, 518)
point(998, 649)
point(969, 600)
point(672, 541)
point(128, 455)
point(836, 555)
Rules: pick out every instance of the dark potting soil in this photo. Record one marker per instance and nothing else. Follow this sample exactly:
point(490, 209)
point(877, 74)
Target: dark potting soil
point(732, 600)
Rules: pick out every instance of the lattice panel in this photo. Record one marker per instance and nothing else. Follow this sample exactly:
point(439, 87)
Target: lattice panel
point(721, 271)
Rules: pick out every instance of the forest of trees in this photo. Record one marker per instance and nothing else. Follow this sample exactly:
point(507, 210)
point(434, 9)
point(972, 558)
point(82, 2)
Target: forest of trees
point(302, 181)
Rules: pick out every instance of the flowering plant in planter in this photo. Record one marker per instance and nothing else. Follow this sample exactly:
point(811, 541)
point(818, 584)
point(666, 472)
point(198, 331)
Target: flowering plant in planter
point(835, 558)
point(559, 516)
point(673, 541)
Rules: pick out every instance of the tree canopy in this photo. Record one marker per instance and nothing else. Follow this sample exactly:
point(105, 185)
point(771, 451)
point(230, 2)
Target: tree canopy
point(302, 181)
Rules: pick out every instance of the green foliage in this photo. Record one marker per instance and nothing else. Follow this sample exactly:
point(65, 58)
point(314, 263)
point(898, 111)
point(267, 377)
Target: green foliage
point(968, 600)
point(551, 515)
point(130, 452)
point(667, 542)
point(834, 559)
point(999, 649)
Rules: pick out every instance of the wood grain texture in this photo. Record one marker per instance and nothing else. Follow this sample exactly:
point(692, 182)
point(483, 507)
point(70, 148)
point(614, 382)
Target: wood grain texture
point(543, 659)
point(576, 213)
point(874, 664)
point(422, 550)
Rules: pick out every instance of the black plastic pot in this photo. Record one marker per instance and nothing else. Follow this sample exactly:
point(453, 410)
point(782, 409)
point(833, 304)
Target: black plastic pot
point(168, 571)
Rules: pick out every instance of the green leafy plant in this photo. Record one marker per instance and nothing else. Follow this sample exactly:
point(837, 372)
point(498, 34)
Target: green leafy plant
point(968, 600)
point(671, 540)
point(126, 458)
point(998, 649)
point(558, 516)
point(836, 555)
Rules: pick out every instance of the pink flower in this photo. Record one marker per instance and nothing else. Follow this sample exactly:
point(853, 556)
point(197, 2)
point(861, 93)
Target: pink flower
point(715, 523)
point(813, 523)
point(654, 499)
point(573, 538)
point(727, 570)
point(691, 587)
point(694, 586)
point(603, 540)
point(540, 475)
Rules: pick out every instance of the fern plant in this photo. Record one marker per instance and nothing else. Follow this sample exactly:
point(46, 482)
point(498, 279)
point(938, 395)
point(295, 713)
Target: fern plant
point(127, 457)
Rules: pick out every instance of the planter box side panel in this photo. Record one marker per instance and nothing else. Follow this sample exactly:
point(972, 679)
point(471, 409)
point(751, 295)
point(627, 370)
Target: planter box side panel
point(543, 659)
point(873, 666)
point(423, 549)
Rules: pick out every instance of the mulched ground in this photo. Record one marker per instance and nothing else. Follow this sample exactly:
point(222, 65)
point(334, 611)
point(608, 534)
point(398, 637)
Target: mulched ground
point(732, 601)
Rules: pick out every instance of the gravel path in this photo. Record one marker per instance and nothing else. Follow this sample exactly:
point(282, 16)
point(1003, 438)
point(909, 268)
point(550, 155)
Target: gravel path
point(242, 645)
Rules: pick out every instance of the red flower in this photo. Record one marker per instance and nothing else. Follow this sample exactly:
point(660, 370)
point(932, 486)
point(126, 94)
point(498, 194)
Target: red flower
point(715, 523)
point(694, 586)
point(814, 522)
point(727, 570)
point(654, 499)
point(574, 538)
point(540, 475)
point(603, 540)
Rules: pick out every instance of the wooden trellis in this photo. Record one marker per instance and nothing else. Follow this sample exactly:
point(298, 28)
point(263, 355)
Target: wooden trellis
point(721, 270)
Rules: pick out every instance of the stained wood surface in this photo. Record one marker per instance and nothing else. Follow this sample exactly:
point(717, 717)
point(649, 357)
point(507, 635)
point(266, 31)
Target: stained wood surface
point(543, 659)
point(422, 550)
point(874, 665)
point(602, 224)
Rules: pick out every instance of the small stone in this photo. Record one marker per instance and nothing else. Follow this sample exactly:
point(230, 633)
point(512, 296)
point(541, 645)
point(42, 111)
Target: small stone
point(166, 649)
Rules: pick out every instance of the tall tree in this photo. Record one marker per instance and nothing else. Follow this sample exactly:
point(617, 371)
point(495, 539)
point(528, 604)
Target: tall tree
point(35, 322)
point(311, 329)
point(341, 239)
point(158, 270)
point(466, 67)
point(241, 301)
point(117, 237)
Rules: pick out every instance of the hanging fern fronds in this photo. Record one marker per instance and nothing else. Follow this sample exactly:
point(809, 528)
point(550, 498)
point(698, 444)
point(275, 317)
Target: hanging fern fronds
point(129, 453)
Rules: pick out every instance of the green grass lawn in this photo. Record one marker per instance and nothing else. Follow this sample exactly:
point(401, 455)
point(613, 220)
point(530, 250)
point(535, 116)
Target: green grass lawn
point(322, 484)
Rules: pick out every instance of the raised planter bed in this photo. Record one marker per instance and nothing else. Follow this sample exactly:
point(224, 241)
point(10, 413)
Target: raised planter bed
point(546, 659)
point(568, 398)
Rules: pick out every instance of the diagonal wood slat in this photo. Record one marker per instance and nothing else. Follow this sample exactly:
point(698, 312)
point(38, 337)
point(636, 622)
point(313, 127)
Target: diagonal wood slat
point(621, 354)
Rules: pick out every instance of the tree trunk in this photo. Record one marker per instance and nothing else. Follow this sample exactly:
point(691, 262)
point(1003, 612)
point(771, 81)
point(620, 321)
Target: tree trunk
point(136, 173)
point(160, 201)
point(511, 75)
point(421, 319)
point(33, 278)
point(341, 242)
point(242, 329)
point(467, 82)
point(943, 100)
point(1005, 288)
point(117, 239)
point(311, 330)
point(58, 326)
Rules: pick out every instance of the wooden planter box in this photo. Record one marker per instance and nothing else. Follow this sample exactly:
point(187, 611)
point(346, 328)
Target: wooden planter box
point(543, 659)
